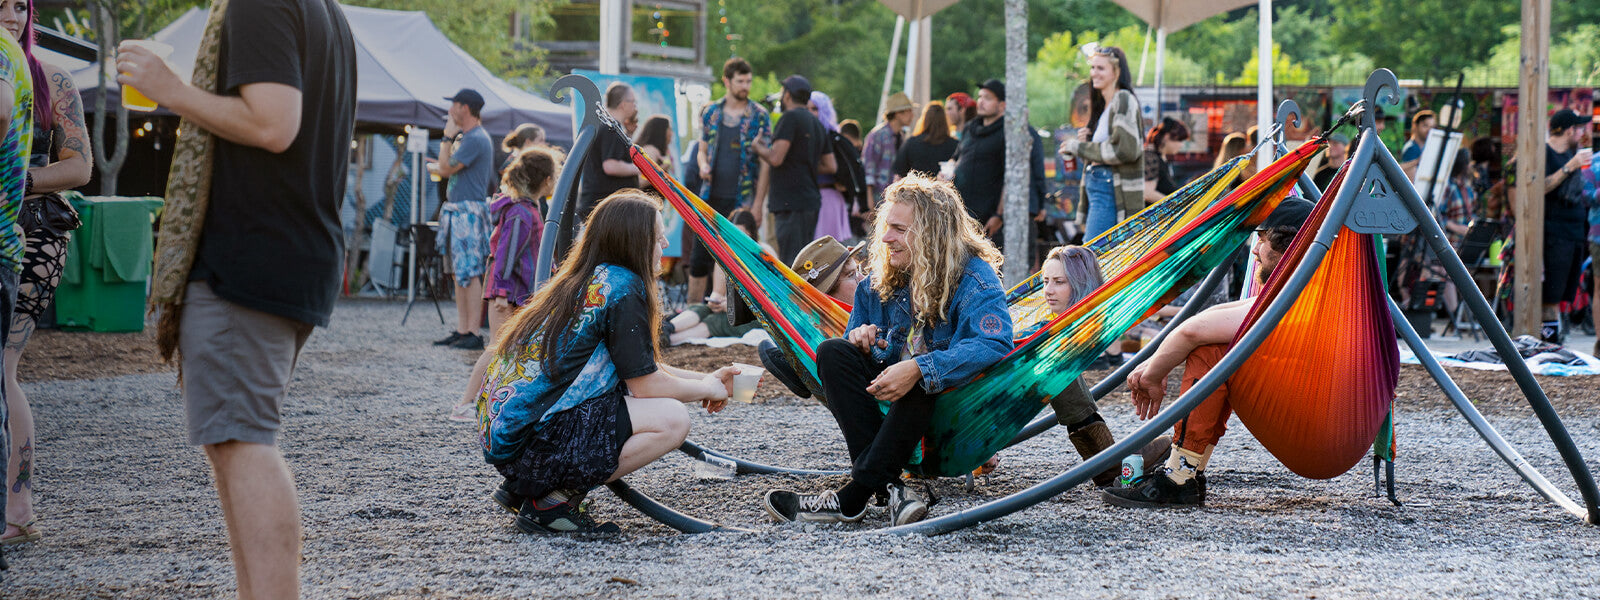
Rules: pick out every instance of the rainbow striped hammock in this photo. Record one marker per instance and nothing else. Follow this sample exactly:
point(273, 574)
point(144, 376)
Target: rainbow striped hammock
point(1147, 264)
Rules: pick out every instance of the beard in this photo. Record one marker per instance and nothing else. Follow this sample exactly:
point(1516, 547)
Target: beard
point(741, 95)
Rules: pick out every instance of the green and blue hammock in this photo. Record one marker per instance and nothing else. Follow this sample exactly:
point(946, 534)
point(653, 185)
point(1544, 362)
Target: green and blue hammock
point(1147, 260)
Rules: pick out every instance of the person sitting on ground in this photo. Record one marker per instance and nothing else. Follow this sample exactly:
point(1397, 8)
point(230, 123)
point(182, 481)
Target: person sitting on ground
point(1199, 344)
point(513, 247)
point(709, 320)
point(833, 269)
point(1070, 273)
point(575, 395)
point(931, 317)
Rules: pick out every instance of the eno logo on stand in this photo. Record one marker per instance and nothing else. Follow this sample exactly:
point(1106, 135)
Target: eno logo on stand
point(1377, 208)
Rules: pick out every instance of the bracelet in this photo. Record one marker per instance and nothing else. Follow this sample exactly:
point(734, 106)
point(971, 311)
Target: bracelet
point(27, 186)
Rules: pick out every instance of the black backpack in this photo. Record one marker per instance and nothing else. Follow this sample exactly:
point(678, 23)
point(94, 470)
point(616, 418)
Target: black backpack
point(851, 176)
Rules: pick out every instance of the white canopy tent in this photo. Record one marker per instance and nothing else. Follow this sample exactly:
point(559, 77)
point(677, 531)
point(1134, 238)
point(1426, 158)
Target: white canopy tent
point(919, 53)
point(1168, 16)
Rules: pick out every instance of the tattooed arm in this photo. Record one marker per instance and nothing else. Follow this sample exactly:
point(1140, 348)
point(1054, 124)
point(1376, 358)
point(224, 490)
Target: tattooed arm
point(73, 167)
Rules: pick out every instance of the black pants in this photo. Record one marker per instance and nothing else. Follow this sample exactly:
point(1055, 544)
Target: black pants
point(795, 229)
point(700, 259)
point(879, 444)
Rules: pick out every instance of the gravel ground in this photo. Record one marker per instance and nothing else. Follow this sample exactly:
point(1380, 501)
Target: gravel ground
point(395, 504)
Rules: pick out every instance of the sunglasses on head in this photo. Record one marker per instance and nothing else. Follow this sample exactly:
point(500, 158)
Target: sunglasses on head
point(1095, 49)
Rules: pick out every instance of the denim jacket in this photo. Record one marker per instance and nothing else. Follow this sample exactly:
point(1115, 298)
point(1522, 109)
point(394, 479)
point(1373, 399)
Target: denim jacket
point(974, 335)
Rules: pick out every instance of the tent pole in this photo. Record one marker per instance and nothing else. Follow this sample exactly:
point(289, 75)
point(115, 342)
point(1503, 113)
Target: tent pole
point(1144, 54)
point(913, 41)
point(416, 200)
point(1264, 105)
point(1161, 67)
point(888, 74)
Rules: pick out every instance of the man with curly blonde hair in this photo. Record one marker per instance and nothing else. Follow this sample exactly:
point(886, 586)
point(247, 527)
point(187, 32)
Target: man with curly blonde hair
point(931, 315)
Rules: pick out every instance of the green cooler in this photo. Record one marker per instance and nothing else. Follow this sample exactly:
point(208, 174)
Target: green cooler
point(103, 284)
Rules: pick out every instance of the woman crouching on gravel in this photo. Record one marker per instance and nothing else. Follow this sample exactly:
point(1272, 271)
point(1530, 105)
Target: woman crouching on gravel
point(574, 397)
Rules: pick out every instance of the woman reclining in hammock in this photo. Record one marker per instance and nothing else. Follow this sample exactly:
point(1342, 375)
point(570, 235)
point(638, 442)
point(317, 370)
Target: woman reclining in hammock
point(1199, 344)
point(931, 316)
point(574, 396)
point(1070, 273)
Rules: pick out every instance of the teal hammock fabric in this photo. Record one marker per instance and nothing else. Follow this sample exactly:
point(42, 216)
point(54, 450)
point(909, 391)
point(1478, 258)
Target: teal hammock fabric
point(975, 420)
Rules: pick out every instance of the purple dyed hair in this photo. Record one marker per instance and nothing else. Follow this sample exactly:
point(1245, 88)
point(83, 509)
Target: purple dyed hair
point(42, 115)
point(825, 112)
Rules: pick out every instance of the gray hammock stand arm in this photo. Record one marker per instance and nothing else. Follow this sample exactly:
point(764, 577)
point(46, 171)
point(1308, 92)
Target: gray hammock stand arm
point(558, 229)
point(1373, 213)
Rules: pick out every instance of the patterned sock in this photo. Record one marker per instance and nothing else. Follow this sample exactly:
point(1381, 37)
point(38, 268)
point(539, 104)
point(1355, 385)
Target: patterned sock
point(1183, 465)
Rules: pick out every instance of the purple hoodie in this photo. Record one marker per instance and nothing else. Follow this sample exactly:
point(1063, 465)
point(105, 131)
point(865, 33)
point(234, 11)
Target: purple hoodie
point(513, 248)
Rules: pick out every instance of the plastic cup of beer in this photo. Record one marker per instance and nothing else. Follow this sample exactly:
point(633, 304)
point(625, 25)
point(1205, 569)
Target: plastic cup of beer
point(133, 99)
point(744, 383)
point(1585, 156)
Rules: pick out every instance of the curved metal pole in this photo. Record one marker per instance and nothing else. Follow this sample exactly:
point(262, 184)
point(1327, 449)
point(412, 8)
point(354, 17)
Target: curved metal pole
point(1224, 369)
point(556, 220)
point(746, 467)
point(665, 514)
point(1496, 333)
point(1476, 419)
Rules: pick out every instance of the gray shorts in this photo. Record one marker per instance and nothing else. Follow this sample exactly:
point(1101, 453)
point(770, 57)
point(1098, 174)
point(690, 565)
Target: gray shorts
point(237, 363)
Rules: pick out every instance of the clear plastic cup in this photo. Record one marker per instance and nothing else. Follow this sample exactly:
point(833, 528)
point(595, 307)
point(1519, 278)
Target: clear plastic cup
point(1585, 156)
point(133, 99)
point(715, 468)
point(744, 384)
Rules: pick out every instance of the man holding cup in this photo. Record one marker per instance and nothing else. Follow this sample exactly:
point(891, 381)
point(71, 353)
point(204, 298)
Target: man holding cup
point(1566, 218)
point(270, 252)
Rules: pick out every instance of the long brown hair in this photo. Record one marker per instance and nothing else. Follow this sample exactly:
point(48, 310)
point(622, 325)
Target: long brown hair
point(615, 233)
point(934, 128)
point(943, 237)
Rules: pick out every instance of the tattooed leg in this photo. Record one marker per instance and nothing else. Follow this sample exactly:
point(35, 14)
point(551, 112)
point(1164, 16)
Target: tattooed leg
point(24, 468)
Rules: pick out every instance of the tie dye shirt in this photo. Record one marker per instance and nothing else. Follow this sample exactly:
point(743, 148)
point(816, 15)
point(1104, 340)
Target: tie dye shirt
point(14, 149)
point(610, 342)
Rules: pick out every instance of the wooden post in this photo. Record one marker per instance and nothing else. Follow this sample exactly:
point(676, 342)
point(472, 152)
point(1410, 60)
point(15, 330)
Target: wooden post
point(1532, 129)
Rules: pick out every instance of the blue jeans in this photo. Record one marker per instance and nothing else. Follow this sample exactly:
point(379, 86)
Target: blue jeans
point(1102, 201)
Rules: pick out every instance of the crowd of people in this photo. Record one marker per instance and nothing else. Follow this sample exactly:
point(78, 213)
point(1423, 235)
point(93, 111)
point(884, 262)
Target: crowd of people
point(903, 222)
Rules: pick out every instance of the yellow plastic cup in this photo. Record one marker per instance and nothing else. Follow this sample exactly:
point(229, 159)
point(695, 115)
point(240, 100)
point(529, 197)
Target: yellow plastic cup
point(133, 99)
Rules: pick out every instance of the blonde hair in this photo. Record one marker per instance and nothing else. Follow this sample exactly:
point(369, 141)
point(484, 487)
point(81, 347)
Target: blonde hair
point(942, 238)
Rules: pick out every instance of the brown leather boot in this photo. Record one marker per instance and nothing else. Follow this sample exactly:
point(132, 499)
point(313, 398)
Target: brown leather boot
point(1090, 441)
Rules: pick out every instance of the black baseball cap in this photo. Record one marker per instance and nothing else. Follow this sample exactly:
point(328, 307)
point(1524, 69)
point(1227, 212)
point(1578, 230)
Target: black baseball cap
point(796, 84)
point(1291, 213)
point(469, 97)
point(1565, 118)
point(996, 87)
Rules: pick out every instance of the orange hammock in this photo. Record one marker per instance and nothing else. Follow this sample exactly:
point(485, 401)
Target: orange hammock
point(1317, 390)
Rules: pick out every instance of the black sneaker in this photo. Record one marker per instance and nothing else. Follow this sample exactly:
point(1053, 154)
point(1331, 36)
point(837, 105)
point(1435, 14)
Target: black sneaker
point(905, 506)
point(469, 341)
point(786, 506)
point(568, 517)
point(455, 336)
point(508, 499)
point(1156, 490)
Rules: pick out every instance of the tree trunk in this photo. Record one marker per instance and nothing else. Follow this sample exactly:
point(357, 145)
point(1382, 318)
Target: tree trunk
point(1019, 143)
point(107, 37)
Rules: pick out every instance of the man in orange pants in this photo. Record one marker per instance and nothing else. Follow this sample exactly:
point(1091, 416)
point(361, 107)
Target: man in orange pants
point(1199, 344)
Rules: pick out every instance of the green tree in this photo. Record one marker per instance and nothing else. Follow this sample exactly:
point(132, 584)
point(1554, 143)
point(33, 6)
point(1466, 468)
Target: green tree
point(1426, 39)
point(483, 29)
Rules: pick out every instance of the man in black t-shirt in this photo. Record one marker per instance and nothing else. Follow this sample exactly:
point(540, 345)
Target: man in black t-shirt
point(1566, 219)
point(608, 167)
point(270, 253)
point(797, 156)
